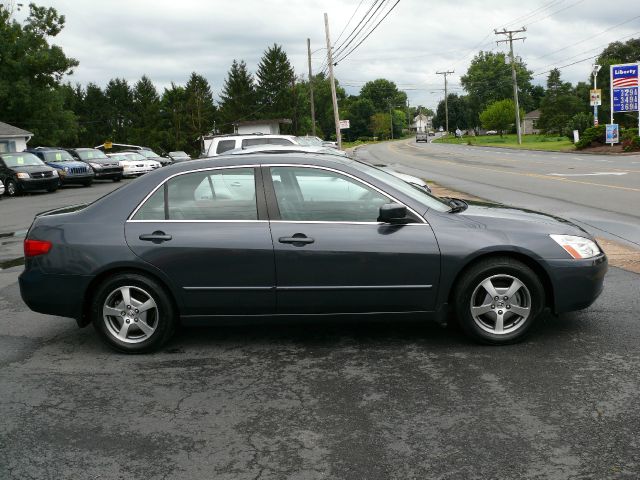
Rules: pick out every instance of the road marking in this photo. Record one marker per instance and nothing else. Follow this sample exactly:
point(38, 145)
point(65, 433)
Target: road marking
point(594, 174)
point(526, 174)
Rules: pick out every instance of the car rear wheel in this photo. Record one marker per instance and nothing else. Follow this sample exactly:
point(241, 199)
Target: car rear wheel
point(498, 300)
point(87, 183)
point(52, 189)
point(117, 179)
point(133, 313)
point(11, 188)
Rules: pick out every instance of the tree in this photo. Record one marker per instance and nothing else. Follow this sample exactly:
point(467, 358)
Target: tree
point(359, 114)
point(145, 123)
point(381, 125)
point(460, 113)
point(558, 105)
point(238, 96)
point(488, 79)
point(93, 117)
point(31, 70)
point(499, 116)
point(200, 111)
point(275, 80)
point(119, 109)
point(384, 94)
point(175, 118)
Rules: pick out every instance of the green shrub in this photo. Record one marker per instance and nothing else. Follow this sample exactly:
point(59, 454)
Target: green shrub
point(629, 134)
point(592, 136)
point(631, 143)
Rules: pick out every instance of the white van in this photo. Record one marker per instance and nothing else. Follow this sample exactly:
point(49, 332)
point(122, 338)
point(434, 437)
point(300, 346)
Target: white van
point(217, 145)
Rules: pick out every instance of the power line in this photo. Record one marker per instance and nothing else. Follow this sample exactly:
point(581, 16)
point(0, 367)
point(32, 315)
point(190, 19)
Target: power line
point(365, 16)
point(346, 44)
point(351, 18)
point(567, 65)
point(533, 13)
point(368, 34)
point(553, 13)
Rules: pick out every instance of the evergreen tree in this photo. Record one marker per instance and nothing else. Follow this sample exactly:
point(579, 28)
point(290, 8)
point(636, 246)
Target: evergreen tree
point(275, 78)
point(558, 105)
point(238, 97)
point(175, 118)
point(93, 117)
point(200, 111)
point(145, 126)
point(119, 109)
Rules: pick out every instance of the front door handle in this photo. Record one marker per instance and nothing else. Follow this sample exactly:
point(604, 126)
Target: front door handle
point(155, 237)
point(298, 239)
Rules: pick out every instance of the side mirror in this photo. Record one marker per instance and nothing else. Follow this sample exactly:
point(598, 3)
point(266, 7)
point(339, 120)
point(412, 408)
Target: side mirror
point(392, 213)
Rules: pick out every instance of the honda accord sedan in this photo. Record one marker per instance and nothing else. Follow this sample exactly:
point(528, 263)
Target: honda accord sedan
point(295, 235)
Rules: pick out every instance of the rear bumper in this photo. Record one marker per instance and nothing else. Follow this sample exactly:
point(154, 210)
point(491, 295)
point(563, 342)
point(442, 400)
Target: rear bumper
point(577, 283)
point(53, 294)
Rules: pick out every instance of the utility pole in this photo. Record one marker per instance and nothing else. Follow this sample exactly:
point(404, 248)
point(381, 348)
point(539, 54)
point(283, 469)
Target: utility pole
point(446, 100)
point(510, 39)
point(336, 114)
point(313, 107)
point(596, 69)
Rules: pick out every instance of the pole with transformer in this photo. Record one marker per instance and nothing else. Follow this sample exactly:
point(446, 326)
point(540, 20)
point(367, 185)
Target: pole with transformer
point(510, 39)
point(446, 101)
point(336, 114)
point(596, 69)
point(313, 108)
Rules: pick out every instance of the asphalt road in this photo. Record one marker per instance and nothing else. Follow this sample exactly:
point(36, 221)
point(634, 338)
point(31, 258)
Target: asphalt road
point(600, 192)
point(359, 401)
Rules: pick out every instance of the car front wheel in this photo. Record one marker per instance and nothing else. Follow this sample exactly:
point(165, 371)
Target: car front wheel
point(498, 300)
point(11, 188)
point(133, 313)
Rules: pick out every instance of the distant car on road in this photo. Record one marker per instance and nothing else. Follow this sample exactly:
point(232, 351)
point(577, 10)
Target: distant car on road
point(134, 164)
point(70, 170)
point(243, 237)
point(422, 137)
point(179, 156)
point(103, 167)
point(24, 172)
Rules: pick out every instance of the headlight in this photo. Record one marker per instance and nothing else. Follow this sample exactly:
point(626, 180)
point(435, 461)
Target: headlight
point(22, 175)
point(66, 169)
point(54, 173)
point(97, 166)
point(577, 247)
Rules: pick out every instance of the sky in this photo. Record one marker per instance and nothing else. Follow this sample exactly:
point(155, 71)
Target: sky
point(167, 40)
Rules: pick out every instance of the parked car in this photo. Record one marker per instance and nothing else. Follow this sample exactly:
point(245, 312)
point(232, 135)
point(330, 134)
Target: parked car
point(103, 167)
point(422, 137)
point(179, 156)
point(24, 172)
point(492, 132)
point(309, 141)
point(286, 149)
point(295, 235)
point(134, 164)
point(151, 155)
point(218, 145)
point(70, 171)
point(410, 179)
point(1, 189)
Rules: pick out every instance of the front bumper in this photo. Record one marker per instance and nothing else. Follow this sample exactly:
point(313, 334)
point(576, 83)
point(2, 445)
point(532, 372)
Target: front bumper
point(577, 283)
point(31, 184)
point(72, 179)
point(108, 173)
point(54, 294)
point(134, 171)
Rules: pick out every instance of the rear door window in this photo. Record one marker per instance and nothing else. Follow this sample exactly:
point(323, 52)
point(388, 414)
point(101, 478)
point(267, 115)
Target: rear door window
point(225, 146)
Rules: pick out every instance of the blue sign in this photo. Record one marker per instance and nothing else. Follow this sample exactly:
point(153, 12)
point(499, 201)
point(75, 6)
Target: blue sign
point(624, 87)
point(612, 133)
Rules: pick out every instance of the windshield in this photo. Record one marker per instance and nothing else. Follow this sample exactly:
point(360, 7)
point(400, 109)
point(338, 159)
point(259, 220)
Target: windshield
point(117, 156)
point(21, 160)
point(58, 156)
point(92, 155)
point(309, 141)
point(178, 154)
point(417, 194)
point(134, 156)
point(148, 153)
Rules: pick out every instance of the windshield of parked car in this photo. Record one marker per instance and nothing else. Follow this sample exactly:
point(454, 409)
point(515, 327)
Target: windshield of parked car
point(417, 194)
point(57, 156)
point(148, 153)
point(309, 141)
point(92, 155)
point(21, 160)
point(117, 156)
point(134, 156)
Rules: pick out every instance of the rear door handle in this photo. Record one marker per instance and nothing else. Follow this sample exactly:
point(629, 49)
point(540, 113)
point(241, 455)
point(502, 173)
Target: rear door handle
point(155, 237)
point(298, 239)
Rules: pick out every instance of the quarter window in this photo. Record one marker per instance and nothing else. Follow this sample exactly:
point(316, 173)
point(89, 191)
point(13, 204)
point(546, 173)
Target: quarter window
point(225, 145)
point(308, 194)
point(228, 194)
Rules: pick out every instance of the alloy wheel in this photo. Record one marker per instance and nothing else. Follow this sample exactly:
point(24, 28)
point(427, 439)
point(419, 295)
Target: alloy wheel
point(130, 314)
point(500, 304)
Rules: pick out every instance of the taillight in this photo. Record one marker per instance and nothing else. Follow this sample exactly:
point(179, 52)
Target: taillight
point(33, 248)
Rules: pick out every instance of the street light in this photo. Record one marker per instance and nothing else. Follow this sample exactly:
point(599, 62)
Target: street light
point(596, 69)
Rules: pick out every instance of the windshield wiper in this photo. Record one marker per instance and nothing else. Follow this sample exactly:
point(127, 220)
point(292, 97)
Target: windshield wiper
point(457, 205)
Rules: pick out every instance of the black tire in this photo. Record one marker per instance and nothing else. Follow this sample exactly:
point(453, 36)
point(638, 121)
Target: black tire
point(117, 179)
point(87, 183)
point(164, 315)
point(11, 188)
point(500, 269)
point(52, 189)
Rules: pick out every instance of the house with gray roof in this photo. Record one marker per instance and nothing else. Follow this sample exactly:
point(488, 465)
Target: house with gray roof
point(13, 139)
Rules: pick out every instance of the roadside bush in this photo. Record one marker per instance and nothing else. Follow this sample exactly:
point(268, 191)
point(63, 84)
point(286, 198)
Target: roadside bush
point(629, 134)
point(592, 136)
point(580, 121)
point(631, 142)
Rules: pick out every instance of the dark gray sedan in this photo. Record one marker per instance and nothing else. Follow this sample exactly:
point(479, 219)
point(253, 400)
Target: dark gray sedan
point(295, 235)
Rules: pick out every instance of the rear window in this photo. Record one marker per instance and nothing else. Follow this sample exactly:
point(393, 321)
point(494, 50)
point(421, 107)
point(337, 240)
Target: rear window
point(249, 142)
point(225, 146)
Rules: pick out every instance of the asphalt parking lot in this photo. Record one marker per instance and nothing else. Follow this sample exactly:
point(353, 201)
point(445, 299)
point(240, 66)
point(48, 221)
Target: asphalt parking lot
point(321, 400)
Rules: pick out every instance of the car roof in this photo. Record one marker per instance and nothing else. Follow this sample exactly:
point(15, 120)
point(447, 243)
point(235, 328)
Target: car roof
point(271, 149)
